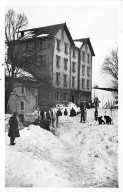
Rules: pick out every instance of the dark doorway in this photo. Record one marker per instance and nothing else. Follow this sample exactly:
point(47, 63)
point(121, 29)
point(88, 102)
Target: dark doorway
point(72, 98)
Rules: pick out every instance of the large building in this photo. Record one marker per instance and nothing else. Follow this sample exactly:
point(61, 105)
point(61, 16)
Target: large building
point(64, 70)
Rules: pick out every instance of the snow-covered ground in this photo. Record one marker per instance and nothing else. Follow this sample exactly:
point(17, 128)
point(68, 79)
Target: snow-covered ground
point(80, 155)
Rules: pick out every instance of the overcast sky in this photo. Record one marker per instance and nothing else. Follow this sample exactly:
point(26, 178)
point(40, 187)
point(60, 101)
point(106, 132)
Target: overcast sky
point(99, 21)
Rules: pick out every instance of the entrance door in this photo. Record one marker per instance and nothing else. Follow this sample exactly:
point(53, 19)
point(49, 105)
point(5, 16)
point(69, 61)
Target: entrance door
point(72, 98)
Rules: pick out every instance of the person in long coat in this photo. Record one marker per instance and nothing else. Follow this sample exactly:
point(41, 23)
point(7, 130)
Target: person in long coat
point(65, 112)
point(83, 112)
point(72, 112)
point(13, 130)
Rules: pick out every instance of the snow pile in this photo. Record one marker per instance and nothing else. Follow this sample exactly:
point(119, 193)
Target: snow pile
point(97, 146)
point(82, 155)
point(43, 35)
point(69, 106)
point(28, 163)
point(31, 117)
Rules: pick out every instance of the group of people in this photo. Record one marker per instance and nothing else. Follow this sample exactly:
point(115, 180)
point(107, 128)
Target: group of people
point(50, 118)
point(45, 119)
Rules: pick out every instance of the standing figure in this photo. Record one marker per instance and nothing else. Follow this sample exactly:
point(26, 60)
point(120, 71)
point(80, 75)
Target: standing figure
point(65, 112)
point(72, 112)
point(83, 112)
point(42, 114)
point(13, 130)
point(96, 115)
point(59, 113)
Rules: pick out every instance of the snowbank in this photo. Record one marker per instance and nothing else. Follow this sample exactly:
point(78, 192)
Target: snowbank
point(82, 155)
point(28, 164)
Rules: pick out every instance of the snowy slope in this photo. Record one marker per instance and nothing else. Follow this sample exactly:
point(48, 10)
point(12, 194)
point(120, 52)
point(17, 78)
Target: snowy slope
point(81, 155)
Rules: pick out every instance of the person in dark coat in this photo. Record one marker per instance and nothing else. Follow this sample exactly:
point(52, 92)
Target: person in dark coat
point(72, 112)
point(83, 112)
point(13, 130)
point(59, 113)
point(46, 122)
point(42, 114)
point(65, 112)
point(96, 115)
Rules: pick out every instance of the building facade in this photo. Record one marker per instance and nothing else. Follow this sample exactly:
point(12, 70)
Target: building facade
point(64, 71)
point(22, 99)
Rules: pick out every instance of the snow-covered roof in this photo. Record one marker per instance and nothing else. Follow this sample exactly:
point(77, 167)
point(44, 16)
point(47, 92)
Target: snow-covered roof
point(78, 44)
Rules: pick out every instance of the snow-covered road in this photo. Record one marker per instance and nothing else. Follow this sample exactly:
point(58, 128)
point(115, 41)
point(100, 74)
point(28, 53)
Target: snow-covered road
point(81, 155)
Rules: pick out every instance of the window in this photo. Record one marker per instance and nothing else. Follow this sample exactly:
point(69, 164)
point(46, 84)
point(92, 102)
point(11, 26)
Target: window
point(43, 44)
point(88, 84)
point(22, 105)
point(43, 59)
point(88, 71)
point(88, 58)
point(65, 79)
point(83, 56)
point(73, 82)
point(57, 96)
point(58, 45)
point(74, 53)
point(64, 97)
point(22, 89)
point(83, 83)
point(65, 63)
point(66, 48)
point(73, 67)
point(57, 78)
point(58, 61)
point(83, 69)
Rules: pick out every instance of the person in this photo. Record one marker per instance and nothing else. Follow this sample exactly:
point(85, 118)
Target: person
point(53, 116)
point(83, 112)
point(65, 112)
point(46, 122)
point(72, 112)
point(42, 115)
point(13, 130)
point(96, 115)
point(58, 113)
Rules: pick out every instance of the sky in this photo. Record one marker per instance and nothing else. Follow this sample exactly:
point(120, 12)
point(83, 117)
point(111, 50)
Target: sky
point(98, 20)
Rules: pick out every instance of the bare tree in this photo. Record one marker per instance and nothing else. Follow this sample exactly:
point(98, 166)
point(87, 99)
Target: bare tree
point(110, 66)
point(14, 63)
point(13, 23)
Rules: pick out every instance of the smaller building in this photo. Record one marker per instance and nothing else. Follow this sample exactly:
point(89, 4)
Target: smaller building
point(24, 98)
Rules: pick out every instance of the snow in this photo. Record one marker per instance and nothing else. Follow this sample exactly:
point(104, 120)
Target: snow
point(81, 155)
point(78, 44)
point(43, 35)
point(69, 106)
